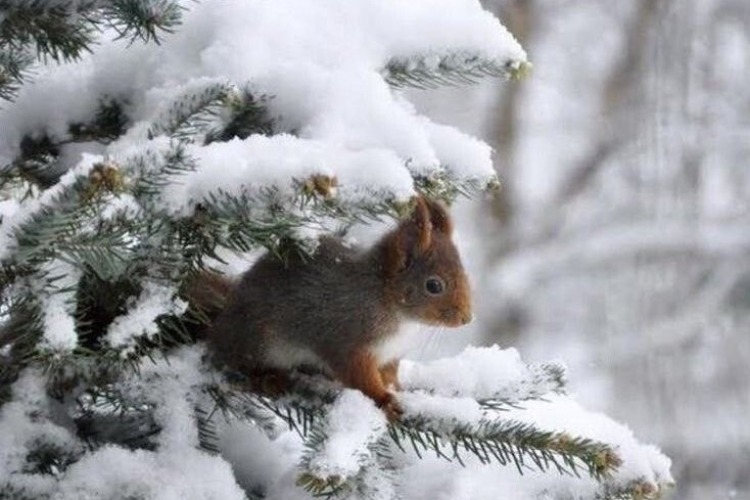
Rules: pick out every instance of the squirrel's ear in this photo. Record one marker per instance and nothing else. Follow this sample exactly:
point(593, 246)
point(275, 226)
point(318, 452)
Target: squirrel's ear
point(410, 239)
point(439, 217)
point(422, 220)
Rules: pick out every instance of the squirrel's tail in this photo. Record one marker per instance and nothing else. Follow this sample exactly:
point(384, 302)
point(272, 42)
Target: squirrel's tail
point(207, 294)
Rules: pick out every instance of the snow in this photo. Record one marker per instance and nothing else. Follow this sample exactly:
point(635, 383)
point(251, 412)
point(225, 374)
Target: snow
point(323, 71)
point(118, 473)
point(24, 422)
point(447, 405)
point(59, 325)
point(58, 304)
point(443, 412)
point(485, 373)
point(257, 459)
point(140, 320)
point(463, 155)
point(250, 459)
point(178, 469)
point(353, 423)
point(559, 413)
point(280, 160)
point(16, 214)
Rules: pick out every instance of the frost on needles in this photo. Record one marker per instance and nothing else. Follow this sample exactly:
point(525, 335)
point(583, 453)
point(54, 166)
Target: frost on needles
point(143, 141)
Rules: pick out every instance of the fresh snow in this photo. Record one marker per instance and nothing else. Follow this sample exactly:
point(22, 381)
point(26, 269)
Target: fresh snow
point(322, 65)
point(562, 414)
point(14, 215)
point(140, 320)
point(260, 161)
point(58, 302)
point(269, 463)
point(353, 423)
point(486, 373)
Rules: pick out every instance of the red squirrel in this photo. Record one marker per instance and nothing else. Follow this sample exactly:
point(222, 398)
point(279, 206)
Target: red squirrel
point(334, 310)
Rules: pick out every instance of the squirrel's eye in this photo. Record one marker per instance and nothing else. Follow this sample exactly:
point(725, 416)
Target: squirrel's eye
point(434, 285)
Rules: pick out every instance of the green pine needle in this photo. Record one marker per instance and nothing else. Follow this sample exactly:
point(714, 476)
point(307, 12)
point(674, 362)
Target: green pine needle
point(506, 443)
point(143, 19)
point(430, 72)
point(194, 115)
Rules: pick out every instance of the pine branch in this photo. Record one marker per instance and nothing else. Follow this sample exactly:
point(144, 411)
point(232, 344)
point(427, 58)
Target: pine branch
point(216, 113)
point(14, 70)
point(634, 490)
point(375, 481)
point(372, 473)
point(38, 165)
point(304, 407)
point(49, 458)
point(545, 378)
point(58, 31)
point(93, 365)
point(508, 442)
point(61, 226)
point(104, 415)
point(247, 115)
point(264, 217)
point(447, 187)
point(434, 71)
point(194, 115)
point(20, 329)
point(35, 164)
point(143, 19)
point(251, 220)
point(64, 30)
point(246, 400)
point(208, 436)
point(109, 123)
point(152, 171)
point(60, 230)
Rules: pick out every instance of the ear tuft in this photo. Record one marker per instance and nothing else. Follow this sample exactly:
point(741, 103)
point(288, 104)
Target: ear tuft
point(409, 240)
point(439, 217)
point(422, 220)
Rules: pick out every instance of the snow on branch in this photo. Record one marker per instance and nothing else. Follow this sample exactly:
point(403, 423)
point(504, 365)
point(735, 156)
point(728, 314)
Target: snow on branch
point(326, 83)
point(340, 446)
point(457, 420)
point(194, 114)
point(141, 319)
point(487, 374)
point(507, 442)
point(436, 71)
point(64, 30)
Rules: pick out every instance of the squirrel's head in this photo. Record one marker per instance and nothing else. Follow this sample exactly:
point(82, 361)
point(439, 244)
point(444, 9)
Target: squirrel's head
point(424, 275)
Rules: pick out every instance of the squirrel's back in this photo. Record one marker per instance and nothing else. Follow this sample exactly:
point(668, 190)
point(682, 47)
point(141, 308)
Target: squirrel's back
point(294, 312)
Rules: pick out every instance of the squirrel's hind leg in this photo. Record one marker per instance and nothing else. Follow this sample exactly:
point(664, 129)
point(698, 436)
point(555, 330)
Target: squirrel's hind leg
point(361, 372)
point(389, 374)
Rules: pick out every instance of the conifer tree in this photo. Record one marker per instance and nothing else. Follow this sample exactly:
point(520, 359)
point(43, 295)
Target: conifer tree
point(145, 141)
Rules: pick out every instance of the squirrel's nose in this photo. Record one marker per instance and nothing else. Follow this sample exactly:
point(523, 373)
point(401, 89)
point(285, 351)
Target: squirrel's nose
point(466, 318)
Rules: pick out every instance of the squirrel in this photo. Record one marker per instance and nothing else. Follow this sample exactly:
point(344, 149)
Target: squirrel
point(334, 309)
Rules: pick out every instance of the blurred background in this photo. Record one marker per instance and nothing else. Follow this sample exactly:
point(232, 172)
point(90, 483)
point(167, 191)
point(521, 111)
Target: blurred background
point(620, 242)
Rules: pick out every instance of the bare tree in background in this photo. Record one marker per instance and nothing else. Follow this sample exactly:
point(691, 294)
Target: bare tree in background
point(625, 216)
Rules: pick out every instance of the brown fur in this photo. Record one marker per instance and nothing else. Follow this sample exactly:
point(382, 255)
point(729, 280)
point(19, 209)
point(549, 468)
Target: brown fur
point(334, 309)
point(389, 374)
point(208, 292)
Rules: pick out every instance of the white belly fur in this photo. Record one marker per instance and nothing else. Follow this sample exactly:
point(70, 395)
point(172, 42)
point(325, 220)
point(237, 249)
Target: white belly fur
point(410, 337)
point(286, 356)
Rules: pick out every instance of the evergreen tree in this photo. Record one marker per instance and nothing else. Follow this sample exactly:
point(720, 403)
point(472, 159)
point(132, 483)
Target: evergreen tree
point(147, 156)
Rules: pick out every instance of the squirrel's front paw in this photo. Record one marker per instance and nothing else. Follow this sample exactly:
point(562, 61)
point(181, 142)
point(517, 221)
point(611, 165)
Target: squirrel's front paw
point(392, 409)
